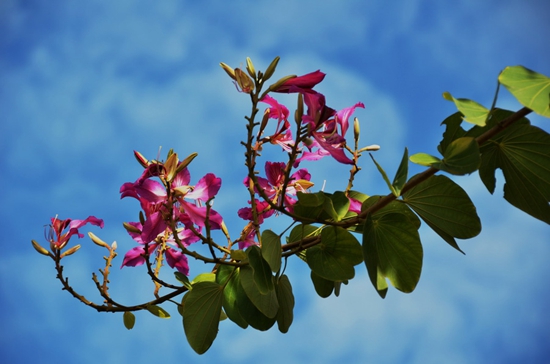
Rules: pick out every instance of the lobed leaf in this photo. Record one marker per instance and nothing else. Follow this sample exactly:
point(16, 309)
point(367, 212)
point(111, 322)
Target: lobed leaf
point(392, 249)
point(473, 112)
point(522, 152)
point(442, 203)
point(530, 88)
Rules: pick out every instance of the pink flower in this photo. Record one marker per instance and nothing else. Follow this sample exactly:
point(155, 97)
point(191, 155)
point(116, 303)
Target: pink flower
point(58, 239)
point(272, 186)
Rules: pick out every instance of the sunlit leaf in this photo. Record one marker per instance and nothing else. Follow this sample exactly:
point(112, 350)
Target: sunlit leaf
point(530, 88)
point(424, 159)
point(204, 277)
point(340, 204)
point(271, 249)
point(473, 112)
point(285, 315)
point(201, 314)
point(129, 320)
point(392, 249)
point(337, 254)
point(523, 153)
point(442, 203)
point(158, 311)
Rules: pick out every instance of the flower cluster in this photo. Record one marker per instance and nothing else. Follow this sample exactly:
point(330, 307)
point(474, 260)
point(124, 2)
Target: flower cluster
point(173, 211)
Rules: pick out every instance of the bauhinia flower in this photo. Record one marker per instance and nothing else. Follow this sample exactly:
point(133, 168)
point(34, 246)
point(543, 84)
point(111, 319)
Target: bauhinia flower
point(272, 187)
point(58, 237)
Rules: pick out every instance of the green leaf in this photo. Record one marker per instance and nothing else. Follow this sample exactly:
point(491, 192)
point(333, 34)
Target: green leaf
point(530, 88)
point(250, 312)
point(202, 306)
point(285, 297)
point(401, 175)
point(262, 273)
point(336, 255)
point(392, 249)
point(228, 277)
point(266, 303)
point(442, 203)
point(310, 205)
point(522, 152)
point(322, 286)
point(204, 277)
point(271, 249)
point(473, 112)
point(461, 157)
point(340, 204)
point(385, 176)
point(301, 231)
point(158, 311)
point(129, 320)
point(453, 131)
point(183, 279)
point(424, 159)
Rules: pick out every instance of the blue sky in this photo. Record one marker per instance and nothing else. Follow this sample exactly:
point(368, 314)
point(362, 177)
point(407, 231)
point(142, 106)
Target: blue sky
point(84, 84)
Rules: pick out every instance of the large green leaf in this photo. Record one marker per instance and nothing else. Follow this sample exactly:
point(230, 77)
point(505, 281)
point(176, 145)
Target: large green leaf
point(202, 306)
point(523, 153)
point(442, 203)
point(250, 312)
point(336, 255)
point(301, 231)
point(473, 112)
point(530, 88)
point(228, 277)
point(285, 315)
point(264, 302)
point(392, 249)
point(271, 249)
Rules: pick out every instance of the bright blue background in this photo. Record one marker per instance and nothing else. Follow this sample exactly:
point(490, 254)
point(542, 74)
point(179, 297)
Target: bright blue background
point(82, 84)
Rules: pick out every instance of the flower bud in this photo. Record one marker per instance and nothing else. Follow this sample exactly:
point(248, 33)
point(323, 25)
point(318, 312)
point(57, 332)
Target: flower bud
point(114, 245)
point(186, 162)
point(141, 159)
point(302, 185)
point(250, 68)
point(97, 240)
point(40, 249)
point(130, 228)
point(228, 70)
point(71, 251)
point(245, 83)
point(271, 69)
point(356, 129)
point(370, 148)
point(171, 166)
point(279, 83)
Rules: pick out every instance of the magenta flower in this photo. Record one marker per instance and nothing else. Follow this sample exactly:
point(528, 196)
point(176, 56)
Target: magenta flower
point(283, 134)
point(303, 83)
point(175, 258)
point(272, 186)
point(59, 239)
